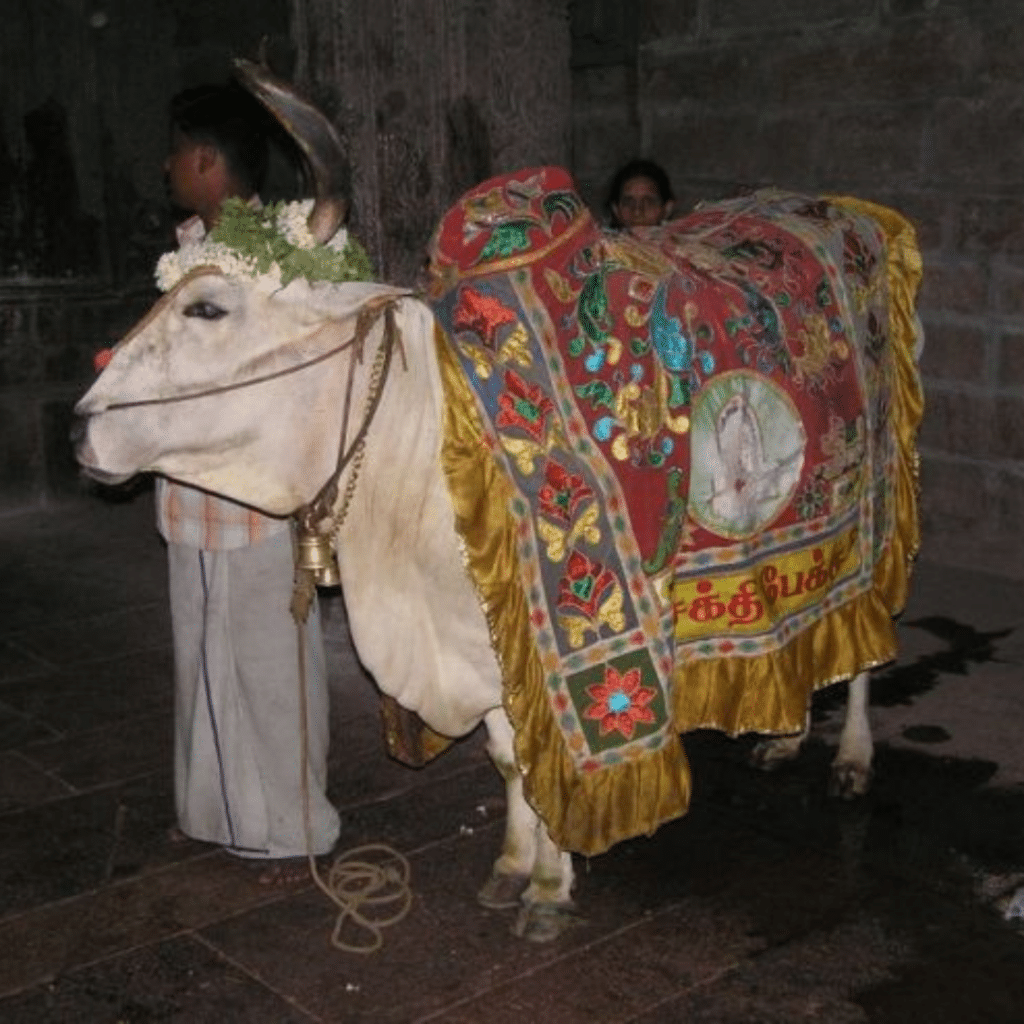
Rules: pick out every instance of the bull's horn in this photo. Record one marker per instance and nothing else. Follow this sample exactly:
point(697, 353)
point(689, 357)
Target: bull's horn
point(317, 138)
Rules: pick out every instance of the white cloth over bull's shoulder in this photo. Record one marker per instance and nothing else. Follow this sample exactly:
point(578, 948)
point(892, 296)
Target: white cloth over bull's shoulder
point(415, 616)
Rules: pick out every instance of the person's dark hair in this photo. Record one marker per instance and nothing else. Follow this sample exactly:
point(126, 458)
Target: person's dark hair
point(230, 119)
point(639, 168)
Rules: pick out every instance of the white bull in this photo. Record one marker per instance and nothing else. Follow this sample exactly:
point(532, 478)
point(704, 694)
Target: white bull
point(239, 389)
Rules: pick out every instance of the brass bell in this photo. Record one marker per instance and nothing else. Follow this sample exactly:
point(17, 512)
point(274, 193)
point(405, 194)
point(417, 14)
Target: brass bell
point(315, 553)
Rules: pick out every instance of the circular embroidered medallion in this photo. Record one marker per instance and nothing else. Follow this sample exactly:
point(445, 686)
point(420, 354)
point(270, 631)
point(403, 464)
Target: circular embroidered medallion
point(747, 453)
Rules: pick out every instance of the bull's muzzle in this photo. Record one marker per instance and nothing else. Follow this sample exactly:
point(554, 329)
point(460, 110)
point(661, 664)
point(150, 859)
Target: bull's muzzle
point(86, 457)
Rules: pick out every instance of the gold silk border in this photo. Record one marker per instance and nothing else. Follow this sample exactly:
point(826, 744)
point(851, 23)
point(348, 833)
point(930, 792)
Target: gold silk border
point(770, 693)
point(590, 812)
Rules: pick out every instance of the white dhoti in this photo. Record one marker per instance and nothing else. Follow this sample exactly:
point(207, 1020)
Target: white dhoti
point(237, 752)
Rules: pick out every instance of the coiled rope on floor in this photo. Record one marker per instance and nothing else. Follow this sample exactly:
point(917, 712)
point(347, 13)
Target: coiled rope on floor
point(363, 889)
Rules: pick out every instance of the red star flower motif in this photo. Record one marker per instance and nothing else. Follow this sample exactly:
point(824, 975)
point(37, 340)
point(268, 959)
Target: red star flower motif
point(620, 702)
point(482, 315)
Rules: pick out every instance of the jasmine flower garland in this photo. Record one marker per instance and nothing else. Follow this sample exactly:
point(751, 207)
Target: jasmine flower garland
point(272, 242)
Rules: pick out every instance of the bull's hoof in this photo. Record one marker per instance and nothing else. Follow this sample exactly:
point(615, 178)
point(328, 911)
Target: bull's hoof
point(544, 922)
point(500, 892)
point(849, 781)
point(770, 754)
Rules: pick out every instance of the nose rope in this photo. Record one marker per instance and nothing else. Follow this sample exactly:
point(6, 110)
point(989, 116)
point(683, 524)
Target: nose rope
point(238, 385)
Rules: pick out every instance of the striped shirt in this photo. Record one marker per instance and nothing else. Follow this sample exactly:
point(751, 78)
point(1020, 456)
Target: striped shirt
point(187, 515)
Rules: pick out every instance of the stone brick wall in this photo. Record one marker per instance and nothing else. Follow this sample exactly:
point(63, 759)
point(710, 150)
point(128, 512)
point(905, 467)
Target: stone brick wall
point(439, 99)
point(913, 103)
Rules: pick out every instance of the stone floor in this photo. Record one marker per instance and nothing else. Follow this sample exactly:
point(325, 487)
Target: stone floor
point(767, 903)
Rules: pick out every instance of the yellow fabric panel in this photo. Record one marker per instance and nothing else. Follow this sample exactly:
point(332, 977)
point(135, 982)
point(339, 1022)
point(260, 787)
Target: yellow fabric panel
point(770, 693)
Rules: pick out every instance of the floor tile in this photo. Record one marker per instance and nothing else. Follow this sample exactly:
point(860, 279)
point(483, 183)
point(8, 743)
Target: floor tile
point(134, 630)
point(24, 784)
point(97, 693)
point(180, 982)
point(84, 760)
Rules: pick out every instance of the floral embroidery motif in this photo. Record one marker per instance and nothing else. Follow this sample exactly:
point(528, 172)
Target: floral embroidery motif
point(483, 317)
point(559, 540)
point(562, 492)
point(592, 596)
point(584, 584)
point(524, 405)
point(672, 345)
point(814, 350)
point(620, 702)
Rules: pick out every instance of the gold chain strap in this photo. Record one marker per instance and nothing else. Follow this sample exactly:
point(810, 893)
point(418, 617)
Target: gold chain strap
point(338, 518)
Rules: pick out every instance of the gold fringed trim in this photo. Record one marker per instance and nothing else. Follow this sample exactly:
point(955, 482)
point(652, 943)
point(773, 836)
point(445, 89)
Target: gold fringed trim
point(589, 812)
point(893, 571)
point(770, 693)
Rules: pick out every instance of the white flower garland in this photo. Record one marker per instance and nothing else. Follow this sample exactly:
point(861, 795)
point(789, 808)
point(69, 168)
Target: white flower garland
point(291, 222)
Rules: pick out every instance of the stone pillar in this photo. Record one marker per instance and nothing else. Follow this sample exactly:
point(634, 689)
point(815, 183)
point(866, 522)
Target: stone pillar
point(431, 97)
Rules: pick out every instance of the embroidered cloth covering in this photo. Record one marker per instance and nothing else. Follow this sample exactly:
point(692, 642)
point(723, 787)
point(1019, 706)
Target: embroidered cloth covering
point(684, 471)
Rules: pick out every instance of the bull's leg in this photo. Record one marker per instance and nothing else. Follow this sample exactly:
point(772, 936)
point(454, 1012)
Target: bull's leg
point(511, 873)
point(531, 872)
point(548, 908)
point(851, 770)
point(773, 751)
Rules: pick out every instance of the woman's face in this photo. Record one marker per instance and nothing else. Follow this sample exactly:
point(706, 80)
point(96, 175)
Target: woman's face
point(640, 204)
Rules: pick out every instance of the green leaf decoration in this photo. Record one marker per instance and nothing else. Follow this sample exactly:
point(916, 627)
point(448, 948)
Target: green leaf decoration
point(598, 392)
point(507, 239)
point(253, 232)
point(592, 308)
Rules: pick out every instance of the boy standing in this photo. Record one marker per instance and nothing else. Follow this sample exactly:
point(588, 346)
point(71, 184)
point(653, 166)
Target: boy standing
point(238, 776)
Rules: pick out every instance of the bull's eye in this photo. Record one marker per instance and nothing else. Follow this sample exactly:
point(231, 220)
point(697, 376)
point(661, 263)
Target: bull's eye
point(204, 310)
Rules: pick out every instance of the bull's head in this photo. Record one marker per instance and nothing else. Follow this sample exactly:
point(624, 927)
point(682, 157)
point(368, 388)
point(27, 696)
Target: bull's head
point(229, 387)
